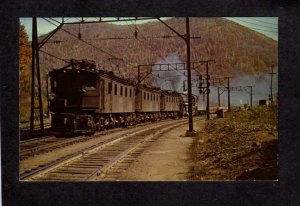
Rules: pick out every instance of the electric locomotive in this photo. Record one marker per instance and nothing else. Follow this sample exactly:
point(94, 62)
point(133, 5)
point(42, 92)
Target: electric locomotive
point(84, 99)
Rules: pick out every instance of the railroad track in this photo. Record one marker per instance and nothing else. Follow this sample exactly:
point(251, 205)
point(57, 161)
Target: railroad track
point(31, 148)
point(37, 146)
point(99, 159)
point(26, 127)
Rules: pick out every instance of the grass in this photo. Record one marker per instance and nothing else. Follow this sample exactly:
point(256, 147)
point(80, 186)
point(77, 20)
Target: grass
point(241, 145)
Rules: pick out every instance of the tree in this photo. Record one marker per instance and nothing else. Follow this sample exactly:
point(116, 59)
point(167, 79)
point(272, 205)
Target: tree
point(25, 73)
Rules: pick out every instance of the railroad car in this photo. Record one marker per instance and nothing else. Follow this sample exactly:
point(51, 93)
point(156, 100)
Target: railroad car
point(170, 104)
point(85, 99)
point(148, 103)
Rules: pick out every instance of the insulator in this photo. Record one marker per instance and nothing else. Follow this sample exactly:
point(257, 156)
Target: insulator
point(208, 91)
point(208, 77)
point(200, 91)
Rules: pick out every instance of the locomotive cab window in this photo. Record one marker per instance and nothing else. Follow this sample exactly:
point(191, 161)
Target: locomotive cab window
point(121, 91)
point(89, 84)
point(89, 88)
point(147, 96)
point(130, 92)
point(116, 89)
point(125, 91)
point(109, 87)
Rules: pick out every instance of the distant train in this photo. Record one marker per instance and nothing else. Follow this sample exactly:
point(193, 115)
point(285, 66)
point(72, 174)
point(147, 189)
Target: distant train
point(84, 99)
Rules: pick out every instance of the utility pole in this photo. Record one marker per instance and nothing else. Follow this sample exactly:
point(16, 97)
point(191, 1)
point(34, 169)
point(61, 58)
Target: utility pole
point(207, 92)
point(47, 94)
point(39, 85)
point(188, 64)
point(35, 65)
point(271, 87)
point(219, 102)
point(228, 90)
point(33, 48)
point(186, 38)
point(251, 94)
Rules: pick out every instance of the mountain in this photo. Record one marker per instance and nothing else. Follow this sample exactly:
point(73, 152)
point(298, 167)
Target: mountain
point(237, 51)
point(235, 48)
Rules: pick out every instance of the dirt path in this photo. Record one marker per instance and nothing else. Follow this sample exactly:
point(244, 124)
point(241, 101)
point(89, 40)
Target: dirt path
point(166, 159)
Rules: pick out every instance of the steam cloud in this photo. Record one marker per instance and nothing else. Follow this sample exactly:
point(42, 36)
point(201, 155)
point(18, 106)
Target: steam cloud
point(261, 89)
point(174, 80)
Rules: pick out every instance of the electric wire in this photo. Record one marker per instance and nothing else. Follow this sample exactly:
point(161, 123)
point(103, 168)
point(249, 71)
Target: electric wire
point(152, 49)
point(64, 60)
point(83, 40)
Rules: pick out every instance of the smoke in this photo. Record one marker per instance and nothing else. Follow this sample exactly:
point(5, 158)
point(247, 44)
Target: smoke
point(261, 89)
point(176, 80)
point(169, 78)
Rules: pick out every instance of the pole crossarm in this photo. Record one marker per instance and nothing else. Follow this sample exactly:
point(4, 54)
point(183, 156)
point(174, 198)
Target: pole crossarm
point(46, 39)
point(221, 90)
point(109, 20)
point(237, 88)
point(176, 64)
point(165, 67)
point(184, 37)
point(218, 81)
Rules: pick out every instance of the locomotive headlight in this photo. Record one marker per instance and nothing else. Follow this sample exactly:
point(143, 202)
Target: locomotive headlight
point(52, 96)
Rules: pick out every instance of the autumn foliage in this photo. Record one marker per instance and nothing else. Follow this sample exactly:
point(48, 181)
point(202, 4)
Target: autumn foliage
point(25, 73)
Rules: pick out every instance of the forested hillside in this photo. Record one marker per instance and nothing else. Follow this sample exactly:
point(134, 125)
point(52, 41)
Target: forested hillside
point(236, 49)
point(232, 46)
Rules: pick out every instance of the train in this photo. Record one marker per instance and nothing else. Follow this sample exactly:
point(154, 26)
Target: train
point(84, 99)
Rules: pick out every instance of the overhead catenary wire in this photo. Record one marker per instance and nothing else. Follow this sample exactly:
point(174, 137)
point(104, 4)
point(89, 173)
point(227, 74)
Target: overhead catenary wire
point(54, 56)
point(152, 49)
point(84, 40)
point(64, 60)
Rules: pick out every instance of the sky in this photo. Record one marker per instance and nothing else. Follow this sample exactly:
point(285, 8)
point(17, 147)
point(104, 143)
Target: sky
point(265, 25)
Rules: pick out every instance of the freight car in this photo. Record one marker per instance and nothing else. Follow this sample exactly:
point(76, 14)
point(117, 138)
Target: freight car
point(84, 99)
